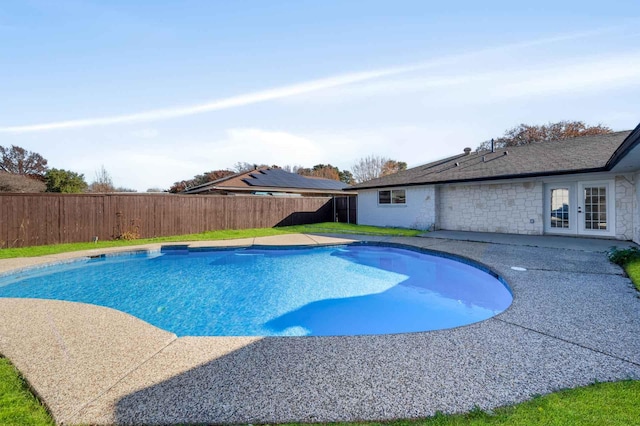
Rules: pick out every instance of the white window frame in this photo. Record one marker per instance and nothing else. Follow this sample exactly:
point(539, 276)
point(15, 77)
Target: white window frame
point(391, 197)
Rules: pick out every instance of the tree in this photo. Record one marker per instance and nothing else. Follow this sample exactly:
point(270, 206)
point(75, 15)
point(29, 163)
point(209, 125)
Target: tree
point(243, 166)
point(372, 167)
point(326, 171)
point(102, 182)
point(10, 182)
point(64, 181)
point(562, 130)
point(206, 177)
point(346, 177)
point(393, 166)
point(19, 161)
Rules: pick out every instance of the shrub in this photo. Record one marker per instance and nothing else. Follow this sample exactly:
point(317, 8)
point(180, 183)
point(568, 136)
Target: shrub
point(129, 235)
point(64, 181)
point(623, 256)
point(126, 229)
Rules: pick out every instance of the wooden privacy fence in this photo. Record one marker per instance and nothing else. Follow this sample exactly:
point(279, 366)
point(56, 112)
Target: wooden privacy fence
point(39, 219)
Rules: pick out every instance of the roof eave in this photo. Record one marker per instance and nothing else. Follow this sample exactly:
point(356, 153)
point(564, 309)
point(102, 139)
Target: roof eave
point(274, 189)
point(206, 185)
point(630, 142)
point(492, 178)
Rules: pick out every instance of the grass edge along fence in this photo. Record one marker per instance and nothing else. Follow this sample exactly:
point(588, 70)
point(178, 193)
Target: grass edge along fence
point(43, 219)
point(321, 228)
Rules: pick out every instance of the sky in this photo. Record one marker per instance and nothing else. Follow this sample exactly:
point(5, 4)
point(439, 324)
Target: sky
point(159, 91)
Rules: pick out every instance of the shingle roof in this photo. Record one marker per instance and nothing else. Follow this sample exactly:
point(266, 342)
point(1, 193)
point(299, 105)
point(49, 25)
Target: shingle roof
point(270, 178)
point(582, 154)
point(278, 178)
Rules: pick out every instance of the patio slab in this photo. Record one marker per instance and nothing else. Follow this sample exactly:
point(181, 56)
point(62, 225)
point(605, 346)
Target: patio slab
point(72, 352)
point(549, 241)
point(574, 320)
point(348, 378)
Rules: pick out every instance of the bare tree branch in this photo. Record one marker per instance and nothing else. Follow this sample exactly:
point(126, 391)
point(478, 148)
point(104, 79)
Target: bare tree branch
point(526, 133)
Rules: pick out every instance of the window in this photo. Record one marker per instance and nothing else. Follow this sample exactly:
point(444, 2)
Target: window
point(595, 208)
point(398, 196)
point(394, 196)
point(559, 208)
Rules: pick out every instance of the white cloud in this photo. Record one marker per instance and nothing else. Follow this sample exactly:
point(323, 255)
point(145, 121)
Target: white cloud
point(221, 104)
point(145, 167)
point(266, 146)
point(145, 133)
point(142, 167)
point(588, 76)
point(136, 168)
point(585, 75)
point(290, 90)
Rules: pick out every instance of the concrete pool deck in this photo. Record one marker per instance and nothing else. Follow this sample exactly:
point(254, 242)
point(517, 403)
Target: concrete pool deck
point(575, 319)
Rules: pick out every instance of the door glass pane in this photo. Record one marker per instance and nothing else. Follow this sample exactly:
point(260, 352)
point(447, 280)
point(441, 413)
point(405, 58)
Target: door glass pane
point(595, 202)
point(559, 208)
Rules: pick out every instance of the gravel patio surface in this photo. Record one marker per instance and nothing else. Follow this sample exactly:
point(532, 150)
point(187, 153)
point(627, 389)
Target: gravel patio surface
point(575, 319)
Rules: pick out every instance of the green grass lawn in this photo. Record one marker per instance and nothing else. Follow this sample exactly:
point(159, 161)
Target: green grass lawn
point(599, 404)
point(18, 406)
point(633, 270)
point(329, 227)
point(629, 259)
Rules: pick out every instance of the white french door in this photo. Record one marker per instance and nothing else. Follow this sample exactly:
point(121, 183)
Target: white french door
point(580, 208)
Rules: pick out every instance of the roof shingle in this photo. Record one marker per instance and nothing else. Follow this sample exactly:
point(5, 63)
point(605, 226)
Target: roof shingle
point(581, 154)
point(270, 179)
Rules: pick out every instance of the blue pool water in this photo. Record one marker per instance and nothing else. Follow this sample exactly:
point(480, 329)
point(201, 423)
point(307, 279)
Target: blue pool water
point(338, 290)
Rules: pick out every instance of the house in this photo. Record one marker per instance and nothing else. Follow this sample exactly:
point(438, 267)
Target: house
point(271, 182)
point(582, 186)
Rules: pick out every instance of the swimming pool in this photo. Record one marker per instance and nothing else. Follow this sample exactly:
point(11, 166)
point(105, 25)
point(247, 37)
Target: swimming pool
point(335, 290)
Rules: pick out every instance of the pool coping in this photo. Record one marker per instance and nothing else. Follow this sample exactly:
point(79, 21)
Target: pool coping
point(95, 365)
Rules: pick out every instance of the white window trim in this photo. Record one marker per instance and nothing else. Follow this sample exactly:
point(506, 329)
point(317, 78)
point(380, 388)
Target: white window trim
point(391, 203)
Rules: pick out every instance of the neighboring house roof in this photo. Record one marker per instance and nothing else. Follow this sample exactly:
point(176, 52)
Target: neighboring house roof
point(576, 155)
point(265, 180)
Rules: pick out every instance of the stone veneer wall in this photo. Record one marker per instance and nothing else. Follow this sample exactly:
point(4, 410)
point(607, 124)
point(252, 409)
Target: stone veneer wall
point(626, 210)
point(636, 209)
point(504, 207)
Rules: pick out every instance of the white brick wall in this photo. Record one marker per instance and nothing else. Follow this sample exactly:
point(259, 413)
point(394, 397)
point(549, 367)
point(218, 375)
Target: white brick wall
point(505, 207)
point(418, 213)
